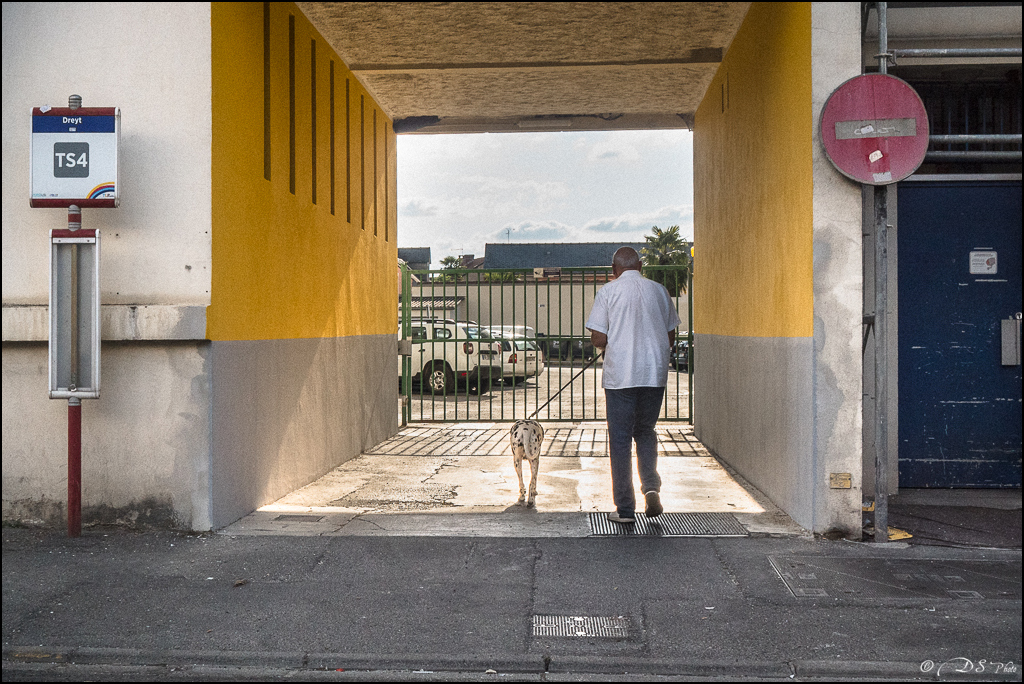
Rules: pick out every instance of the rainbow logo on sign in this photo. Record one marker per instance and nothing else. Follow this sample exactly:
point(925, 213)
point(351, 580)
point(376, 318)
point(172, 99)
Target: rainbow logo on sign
point(101, 189)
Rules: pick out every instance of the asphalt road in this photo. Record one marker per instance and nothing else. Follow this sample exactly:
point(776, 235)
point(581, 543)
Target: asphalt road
point(158, 605)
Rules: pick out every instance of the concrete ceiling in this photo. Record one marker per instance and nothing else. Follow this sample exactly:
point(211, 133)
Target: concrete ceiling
point(523, 66)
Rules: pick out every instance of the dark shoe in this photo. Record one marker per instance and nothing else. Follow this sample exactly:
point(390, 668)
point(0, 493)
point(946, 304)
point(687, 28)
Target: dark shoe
point(654, 508)
point(622, 519)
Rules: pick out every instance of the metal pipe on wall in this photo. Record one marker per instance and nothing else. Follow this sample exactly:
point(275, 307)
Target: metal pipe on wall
point(954, 52)
point(976, 139)
point(881, 215)
point(973, 155)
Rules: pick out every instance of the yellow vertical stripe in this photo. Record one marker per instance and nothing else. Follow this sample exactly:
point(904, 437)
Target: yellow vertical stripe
point(753, 182)
point(284, 267)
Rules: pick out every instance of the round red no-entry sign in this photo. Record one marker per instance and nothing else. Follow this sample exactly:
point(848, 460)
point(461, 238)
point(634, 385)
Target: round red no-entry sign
point(875, 129)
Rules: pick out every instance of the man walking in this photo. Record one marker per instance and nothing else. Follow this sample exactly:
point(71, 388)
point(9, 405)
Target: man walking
point(633, 321)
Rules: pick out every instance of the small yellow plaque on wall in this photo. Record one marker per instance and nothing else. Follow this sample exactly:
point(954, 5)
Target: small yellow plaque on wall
point(840, 480)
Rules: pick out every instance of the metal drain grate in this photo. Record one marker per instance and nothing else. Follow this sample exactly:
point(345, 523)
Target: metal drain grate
point(576, 626)
point(299, 518)
point(670, 525)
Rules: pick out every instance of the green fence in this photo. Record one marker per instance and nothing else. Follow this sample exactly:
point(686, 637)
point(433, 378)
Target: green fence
point(448, 317)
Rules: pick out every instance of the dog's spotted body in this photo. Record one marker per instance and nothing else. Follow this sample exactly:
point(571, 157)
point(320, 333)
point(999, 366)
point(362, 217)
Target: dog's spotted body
point(527, 437)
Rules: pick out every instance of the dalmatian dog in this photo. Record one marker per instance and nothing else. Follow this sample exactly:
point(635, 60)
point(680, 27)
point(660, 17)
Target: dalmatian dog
point(527, 437)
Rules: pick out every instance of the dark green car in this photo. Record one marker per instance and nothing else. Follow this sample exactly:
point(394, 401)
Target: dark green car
point(680, 357)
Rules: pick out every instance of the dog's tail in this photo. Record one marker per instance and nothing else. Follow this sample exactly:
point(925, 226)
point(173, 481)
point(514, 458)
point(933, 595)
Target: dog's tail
point(534, 438)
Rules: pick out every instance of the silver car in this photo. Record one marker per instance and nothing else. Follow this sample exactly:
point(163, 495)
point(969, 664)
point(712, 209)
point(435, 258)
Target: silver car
point(521, 358)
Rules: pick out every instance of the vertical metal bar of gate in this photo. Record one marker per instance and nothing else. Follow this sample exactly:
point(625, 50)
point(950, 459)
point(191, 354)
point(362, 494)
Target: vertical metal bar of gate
point(433, 353)
point(593, 282)
point(675, 285)
point(541, 354)
point(405, 333)
point(563, 344)
point(605, 276)
point(501, 321)
point(547, 328)
point(458, 348)
point(572, 344)
point(512, 345)
point(491, 307)
point(689, 346)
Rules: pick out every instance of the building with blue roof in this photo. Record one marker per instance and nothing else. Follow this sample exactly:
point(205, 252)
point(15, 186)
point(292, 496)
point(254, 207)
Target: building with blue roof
point(553, 254)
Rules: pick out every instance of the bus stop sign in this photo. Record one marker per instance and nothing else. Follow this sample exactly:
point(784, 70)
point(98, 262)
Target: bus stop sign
point(875, 129)
point(74, 157)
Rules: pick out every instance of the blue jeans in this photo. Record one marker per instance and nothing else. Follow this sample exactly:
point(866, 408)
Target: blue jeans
point(632, 415)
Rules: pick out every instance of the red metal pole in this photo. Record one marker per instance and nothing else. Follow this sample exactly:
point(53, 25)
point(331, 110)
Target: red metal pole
point(74, 467)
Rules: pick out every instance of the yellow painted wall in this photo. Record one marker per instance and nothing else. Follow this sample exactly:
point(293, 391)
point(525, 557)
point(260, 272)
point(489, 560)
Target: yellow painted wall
point(753, 182)
point(284, 267)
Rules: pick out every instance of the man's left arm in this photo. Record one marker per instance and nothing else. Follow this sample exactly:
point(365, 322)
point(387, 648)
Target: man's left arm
point(598, 319)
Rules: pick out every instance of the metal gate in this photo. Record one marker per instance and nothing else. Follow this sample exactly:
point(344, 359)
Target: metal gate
point(537, 319)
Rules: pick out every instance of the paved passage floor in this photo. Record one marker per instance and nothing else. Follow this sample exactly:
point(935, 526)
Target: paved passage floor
point(458, 480)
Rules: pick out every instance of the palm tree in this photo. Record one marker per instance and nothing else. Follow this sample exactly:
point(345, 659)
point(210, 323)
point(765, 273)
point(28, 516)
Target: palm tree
point(667, 248)
point(447, 264)
point(451, 262)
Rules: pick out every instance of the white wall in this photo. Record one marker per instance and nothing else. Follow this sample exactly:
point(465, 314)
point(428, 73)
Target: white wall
point(552, 309)
point(153, 61)
point(146, 441)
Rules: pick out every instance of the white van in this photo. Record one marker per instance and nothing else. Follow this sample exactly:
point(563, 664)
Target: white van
point(446, 354)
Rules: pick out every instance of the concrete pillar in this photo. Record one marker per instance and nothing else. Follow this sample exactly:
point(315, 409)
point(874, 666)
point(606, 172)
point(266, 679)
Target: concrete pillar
point(838, 284)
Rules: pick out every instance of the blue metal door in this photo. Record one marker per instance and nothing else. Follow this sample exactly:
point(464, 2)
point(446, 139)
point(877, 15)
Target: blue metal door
point(959, 256)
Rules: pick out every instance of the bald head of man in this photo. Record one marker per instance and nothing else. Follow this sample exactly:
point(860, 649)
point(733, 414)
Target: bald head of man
point(625, 259)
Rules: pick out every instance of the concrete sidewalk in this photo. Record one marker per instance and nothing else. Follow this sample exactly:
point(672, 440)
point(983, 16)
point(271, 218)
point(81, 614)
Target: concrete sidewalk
point(160, 605)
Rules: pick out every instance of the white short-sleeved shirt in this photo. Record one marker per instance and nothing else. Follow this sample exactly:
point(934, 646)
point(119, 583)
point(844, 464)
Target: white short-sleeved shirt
point(636, 314)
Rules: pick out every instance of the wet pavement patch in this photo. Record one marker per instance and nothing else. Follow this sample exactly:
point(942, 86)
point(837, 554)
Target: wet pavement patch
point(670, 525)
point(384, 496)
point(883, 578)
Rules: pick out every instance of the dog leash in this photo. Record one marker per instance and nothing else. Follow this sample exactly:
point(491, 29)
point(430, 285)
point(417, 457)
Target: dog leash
point(552, 397)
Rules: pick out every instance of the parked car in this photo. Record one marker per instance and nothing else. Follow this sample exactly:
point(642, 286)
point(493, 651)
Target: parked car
point(516, 330)
point(447, 354)
point(521, 358)
point(566, 348)
point(680, 357)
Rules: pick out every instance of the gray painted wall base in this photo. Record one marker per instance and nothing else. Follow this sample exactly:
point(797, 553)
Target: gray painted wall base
point(145, 441)
point(286, 412)
point(753, 409)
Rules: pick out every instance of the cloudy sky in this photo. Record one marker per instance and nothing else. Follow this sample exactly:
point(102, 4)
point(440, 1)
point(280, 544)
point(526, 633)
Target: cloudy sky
point(458, 192)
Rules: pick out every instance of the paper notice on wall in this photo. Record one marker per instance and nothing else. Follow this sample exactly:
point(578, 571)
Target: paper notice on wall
point(983, 263)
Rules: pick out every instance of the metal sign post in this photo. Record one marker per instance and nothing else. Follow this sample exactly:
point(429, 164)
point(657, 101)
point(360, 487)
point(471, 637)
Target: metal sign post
point(74, 353)
point(874, 129)
point(74, 163)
